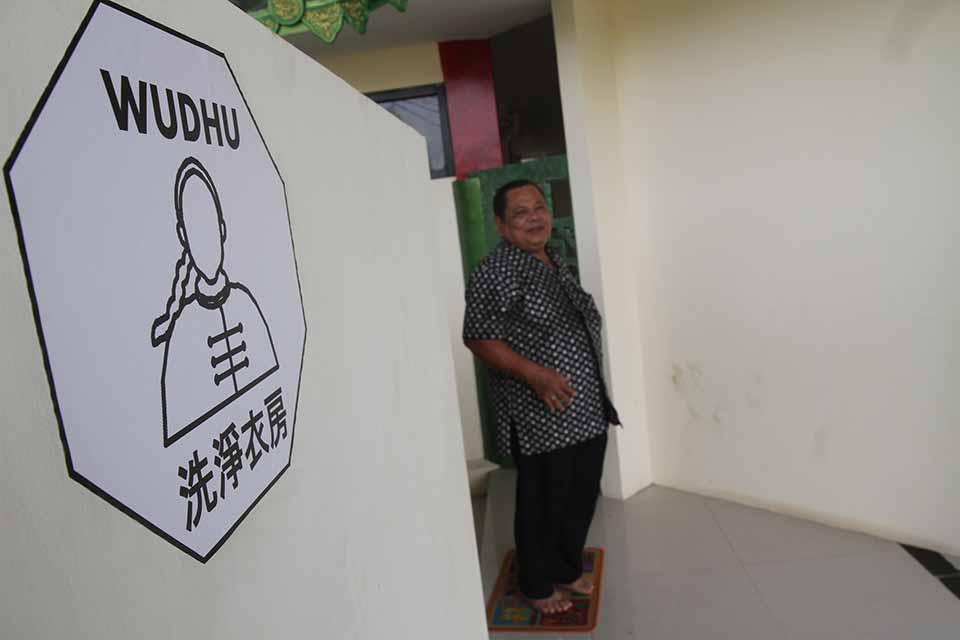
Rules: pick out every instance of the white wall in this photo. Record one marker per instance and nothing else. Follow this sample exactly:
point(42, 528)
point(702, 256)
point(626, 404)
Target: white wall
point(371, 523)
point(450, 285)
point(607, 240)
point(383, 69)
point(399, 68)
point(792, 169)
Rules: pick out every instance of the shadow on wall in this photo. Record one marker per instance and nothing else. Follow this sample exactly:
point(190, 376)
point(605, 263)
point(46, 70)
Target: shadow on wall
point(912, 19)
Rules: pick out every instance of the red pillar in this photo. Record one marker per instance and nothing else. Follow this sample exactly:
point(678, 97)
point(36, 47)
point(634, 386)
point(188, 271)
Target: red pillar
point(472, 105)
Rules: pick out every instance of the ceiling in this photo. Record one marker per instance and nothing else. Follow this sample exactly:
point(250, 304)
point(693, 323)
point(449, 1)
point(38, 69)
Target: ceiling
point(424, 21)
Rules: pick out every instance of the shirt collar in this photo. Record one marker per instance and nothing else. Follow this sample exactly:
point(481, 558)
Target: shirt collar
point(530, 259)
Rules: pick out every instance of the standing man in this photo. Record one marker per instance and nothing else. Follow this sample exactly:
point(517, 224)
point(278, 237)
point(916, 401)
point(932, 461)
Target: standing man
point(530, 321)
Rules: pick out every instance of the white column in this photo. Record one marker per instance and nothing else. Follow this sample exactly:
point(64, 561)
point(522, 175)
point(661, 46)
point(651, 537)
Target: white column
point(609, 244)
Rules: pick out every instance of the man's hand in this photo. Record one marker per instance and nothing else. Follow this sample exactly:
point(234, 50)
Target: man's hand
point(551, 387)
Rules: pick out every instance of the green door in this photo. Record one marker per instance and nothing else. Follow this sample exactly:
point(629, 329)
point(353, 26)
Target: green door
point(478, 235)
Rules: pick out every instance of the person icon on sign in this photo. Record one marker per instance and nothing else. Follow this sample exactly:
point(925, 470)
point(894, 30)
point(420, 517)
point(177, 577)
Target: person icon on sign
point(217, 345)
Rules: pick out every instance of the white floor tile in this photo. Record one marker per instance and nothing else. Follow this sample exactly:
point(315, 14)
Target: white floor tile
point(517, 635)
point(478, 505)
point(682, 566)
point(885, 595)
point(763, 536)
point(661, 531)
point(694, 605)
point(498, 527)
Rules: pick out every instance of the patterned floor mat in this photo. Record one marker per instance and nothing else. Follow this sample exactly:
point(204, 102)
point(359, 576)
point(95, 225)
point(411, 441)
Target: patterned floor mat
point(508, 610)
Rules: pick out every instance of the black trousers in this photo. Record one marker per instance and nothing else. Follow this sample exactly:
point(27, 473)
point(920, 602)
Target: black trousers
point(556, 496)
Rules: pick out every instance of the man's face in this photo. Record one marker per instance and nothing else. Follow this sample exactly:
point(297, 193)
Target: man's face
point(527, 222)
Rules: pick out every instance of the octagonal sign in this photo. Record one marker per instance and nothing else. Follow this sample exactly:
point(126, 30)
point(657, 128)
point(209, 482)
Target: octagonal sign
point(159, 257)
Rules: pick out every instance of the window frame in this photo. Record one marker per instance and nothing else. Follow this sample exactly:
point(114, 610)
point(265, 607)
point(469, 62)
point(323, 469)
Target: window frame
point(424, 91)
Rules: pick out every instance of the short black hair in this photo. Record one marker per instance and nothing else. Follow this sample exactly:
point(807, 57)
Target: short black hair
point(500, 197)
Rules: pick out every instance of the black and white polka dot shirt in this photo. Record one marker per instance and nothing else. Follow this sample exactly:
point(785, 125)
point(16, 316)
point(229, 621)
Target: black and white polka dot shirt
point(544, 315)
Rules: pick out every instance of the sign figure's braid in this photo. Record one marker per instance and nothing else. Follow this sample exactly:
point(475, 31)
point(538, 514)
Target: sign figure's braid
point(185, 274)
point(183, 277)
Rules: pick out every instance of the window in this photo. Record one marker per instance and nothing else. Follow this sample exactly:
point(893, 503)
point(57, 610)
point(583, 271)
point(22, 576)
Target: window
point(425, 109)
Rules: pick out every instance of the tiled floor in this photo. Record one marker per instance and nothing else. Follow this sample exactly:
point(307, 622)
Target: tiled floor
point(680, 566)
point(479, 504)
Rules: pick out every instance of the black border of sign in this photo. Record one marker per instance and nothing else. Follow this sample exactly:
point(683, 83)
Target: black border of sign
point(8, 167)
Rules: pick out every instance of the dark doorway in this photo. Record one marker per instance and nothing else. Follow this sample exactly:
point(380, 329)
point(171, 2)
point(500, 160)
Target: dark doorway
point(528, 92)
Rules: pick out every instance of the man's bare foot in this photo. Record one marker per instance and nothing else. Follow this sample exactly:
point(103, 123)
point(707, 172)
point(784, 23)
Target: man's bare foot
point(582, 586)
point(554, 603)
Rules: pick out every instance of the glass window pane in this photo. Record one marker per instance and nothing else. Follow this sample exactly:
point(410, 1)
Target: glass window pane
point(423, 114)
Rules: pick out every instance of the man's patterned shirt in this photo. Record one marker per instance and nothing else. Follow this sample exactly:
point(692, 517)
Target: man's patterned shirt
point(544, 315)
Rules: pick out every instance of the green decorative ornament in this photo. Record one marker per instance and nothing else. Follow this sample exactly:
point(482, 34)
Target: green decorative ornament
point(356, 13)
point(325, 22)
point(286, 12)
point(270, 23)
point(323, 18)
point(399, 5)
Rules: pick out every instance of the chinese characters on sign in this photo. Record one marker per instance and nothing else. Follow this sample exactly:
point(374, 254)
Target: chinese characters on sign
point(228, 459)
